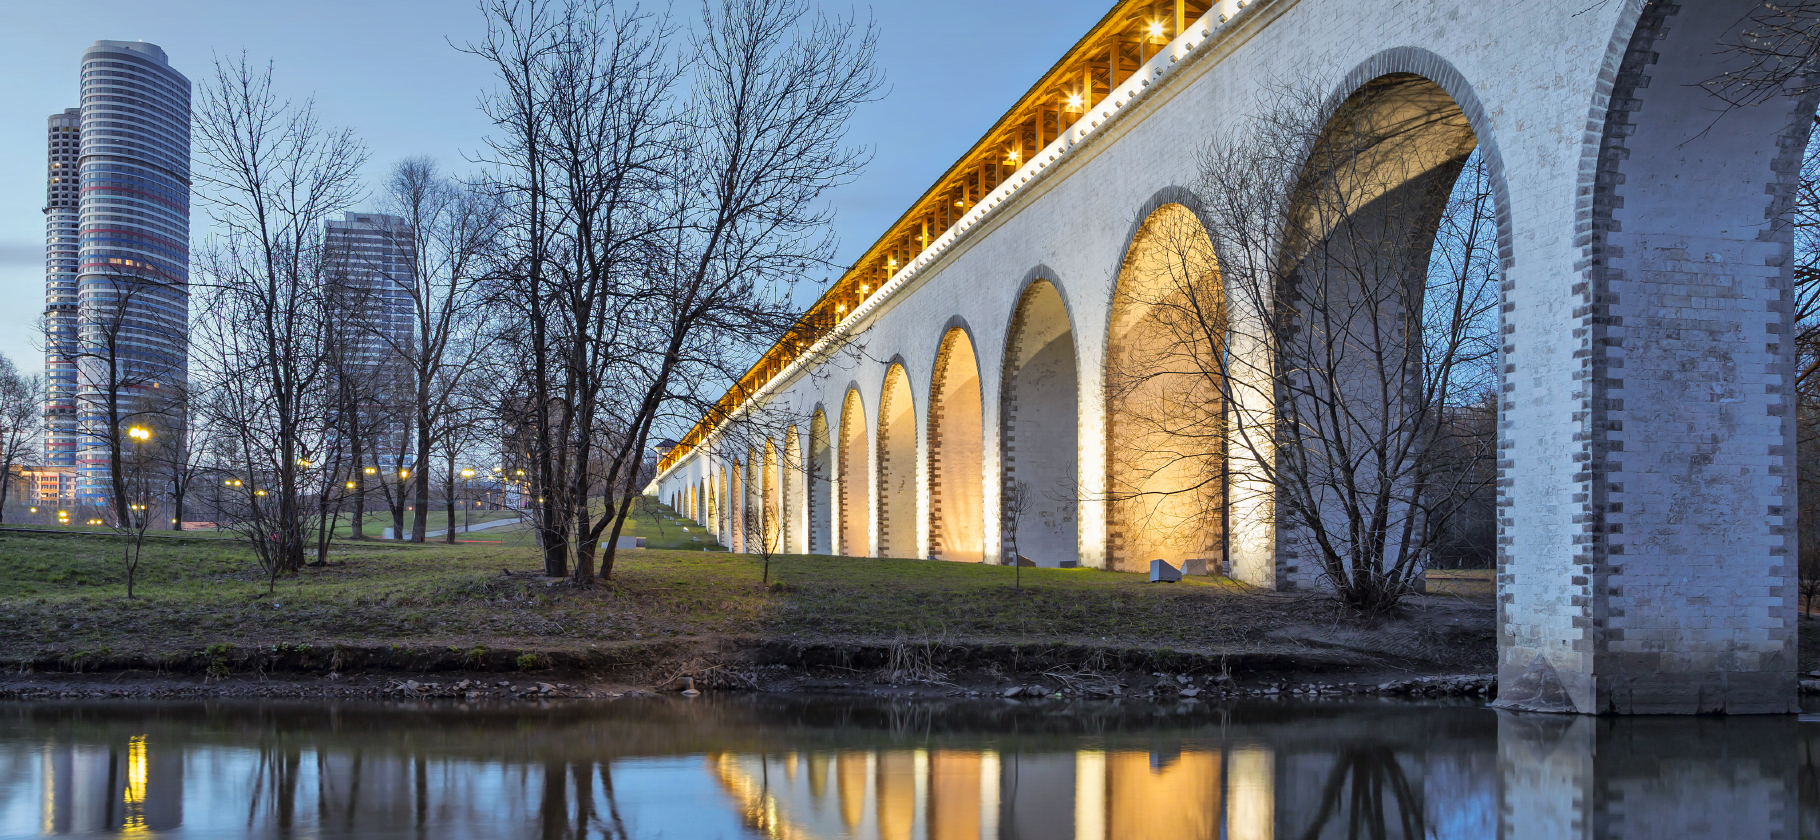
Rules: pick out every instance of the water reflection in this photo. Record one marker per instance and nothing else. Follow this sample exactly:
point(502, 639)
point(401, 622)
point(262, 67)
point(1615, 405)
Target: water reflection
point(769, 768)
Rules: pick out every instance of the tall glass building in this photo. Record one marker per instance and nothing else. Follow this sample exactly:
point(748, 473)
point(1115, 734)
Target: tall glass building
point(60, 233)
point(133, 231)
point(371, 264)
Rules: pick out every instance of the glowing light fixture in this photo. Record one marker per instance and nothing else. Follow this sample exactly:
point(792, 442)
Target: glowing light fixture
point(1074, 102)
point(372, 471)
point(1156, 29)
point(139, 433)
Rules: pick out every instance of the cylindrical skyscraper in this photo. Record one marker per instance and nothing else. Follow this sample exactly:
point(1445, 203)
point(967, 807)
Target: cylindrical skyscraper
point(134, 258)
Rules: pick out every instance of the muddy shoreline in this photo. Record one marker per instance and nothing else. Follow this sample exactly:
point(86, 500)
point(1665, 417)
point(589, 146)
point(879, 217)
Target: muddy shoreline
point(880, 668)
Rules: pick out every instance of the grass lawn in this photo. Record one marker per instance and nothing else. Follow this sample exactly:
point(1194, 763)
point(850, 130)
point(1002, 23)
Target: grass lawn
point(65, 594)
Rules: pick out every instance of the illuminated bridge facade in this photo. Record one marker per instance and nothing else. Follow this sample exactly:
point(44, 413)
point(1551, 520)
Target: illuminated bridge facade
point(1646, 503)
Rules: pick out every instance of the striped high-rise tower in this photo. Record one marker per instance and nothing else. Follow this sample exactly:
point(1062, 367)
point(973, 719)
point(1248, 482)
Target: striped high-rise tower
point(134, 240)
point(60, 232)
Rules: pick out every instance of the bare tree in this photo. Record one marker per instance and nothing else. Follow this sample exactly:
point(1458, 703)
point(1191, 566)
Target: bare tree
point(463, 430)
point(129, 364)
point(1017, 503)
point(653, 236)
point(1775, 53)
point(583, 138)
point(765, 521)
point(21, 418)
point(1293, 341)
point(181, 455)
point(449, 228)
point(775, 87)
point(136, 476)
point(272, 176)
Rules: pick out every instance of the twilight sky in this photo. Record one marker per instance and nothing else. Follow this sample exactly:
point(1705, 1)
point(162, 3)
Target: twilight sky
point(385, 68)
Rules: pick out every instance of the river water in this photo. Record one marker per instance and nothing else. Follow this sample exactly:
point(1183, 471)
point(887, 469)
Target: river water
point(792, 768)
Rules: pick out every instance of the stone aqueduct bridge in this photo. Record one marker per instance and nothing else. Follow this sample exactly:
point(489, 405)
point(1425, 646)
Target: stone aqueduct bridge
point(1647, 548)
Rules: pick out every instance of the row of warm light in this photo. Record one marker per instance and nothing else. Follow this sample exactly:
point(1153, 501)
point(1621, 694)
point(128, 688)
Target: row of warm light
point(1156, 67)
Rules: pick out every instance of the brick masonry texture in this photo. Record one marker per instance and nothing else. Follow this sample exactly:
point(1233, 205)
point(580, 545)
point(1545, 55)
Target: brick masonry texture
point(1645, 448)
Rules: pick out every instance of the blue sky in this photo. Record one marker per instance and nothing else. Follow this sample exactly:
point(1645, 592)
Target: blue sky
point(385, 69)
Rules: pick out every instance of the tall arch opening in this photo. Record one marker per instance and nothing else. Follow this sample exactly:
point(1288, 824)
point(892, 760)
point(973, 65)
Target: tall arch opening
point(956, 454)
point(756, 487)
point(1165, 402)
point(820, 480)
point(896, 466)
point(1039, 443)
point(790, 489)
point(771, 515)
point(855, 478)
point(736, 507)
point(717, 495)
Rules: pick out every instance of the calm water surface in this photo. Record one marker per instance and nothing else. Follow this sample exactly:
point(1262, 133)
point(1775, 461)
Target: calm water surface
point(790, 768)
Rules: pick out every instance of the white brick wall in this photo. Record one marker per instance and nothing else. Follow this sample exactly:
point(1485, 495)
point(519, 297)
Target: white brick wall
point(1645, 553)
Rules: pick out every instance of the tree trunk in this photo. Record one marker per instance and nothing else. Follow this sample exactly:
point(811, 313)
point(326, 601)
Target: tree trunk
point(357, 530)
point(449, 497)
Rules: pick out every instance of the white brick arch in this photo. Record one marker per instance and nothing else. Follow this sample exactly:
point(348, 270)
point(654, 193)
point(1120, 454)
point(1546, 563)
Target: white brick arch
point(853, 525)
point(956, 446)
point(1039, 424)
point(1645, 427)
point(898, 466)
point(820, 481)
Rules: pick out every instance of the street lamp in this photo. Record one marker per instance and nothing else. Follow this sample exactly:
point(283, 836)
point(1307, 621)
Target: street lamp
point(467, 515)
point(140, 435)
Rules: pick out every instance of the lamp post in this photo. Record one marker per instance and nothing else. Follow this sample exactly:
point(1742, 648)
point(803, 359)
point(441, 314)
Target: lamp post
point(140, 435)
point(467, 486)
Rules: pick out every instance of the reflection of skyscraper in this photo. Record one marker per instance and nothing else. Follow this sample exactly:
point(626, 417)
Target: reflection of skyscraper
point(128, 787)
point(133, 260)
point(60, 248)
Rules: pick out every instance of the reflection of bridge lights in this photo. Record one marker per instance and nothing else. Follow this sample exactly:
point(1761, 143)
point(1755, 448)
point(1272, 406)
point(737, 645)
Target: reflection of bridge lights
point(135, 786)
